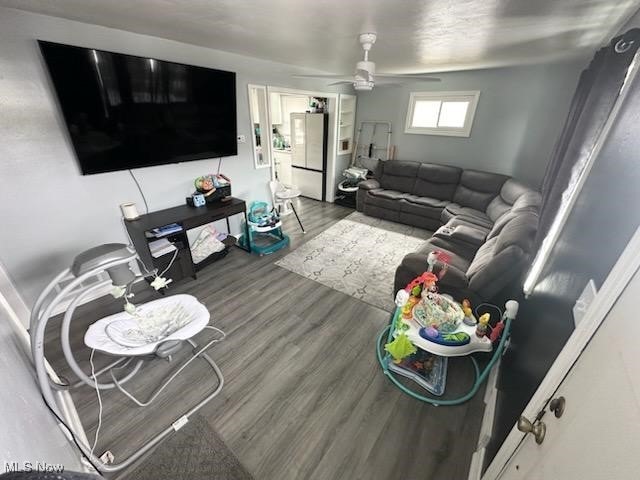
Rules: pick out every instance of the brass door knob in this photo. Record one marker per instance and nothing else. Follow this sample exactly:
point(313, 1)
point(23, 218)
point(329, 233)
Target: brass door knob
point(537, 429)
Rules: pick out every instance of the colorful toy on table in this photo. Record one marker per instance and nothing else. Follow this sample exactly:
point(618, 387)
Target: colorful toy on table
point(483, 325)
point(418, 284)
point(469, 319)
point(438, 263)
point(207, 184)
point(407, 309)
point(449, 339)
point(497, 331)
point(400, 347)
point(438, 311)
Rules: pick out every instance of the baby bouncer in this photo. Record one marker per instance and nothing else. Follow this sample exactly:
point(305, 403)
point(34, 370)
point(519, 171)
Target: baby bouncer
point(154, 330)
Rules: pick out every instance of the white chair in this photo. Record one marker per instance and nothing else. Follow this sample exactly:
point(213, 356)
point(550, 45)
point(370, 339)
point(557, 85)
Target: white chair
point(278, 204)
point(282, 197)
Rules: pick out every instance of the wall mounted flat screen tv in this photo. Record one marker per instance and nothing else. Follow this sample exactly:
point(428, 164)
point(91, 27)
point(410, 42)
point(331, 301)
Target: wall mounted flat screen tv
point(124, 111)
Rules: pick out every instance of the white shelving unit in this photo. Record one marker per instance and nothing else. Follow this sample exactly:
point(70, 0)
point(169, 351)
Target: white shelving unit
point(346, 123)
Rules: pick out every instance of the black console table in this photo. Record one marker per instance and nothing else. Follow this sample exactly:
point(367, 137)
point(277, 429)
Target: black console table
point(187, 217)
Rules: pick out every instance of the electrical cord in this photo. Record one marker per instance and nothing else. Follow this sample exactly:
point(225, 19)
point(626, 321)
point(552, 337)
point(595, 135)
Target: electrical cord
point(154, 271)
point(219, 164)
point(144, 199)
point(175, 255)
point(95, 383)
point(71, 434)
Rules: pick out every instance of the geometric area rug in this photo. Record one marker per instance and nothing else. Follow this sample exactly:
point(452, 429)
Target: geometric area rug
point(358, 256)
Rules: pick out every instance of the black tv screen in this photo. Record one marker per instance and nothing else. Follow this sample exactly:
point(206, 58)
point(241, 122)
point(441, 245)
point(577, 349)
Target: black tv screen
point(124, 111)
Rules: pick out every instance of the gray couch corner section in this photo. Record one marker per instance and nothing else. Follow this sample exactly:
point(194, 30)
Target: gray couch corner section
point(485, 221)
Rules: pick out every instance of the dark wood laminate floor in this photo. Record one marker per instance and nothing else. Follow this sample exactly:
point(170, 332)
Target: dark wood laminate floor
point(304, 397)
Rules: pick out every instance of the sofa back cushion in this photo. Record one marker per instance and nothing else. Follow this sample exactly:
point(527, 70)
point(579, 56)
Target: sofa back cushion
point(477, 189)
point(436, 181)
point(518, 234)
point(502, 258)
point(397, 175)
point(527, 202)
point(510, 192)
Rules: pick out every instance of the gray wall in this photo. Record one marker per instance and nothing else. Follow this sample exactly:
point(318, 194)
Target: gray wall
point(520, 113)
point(29, 432)
point(49, 211)
point(602, 221)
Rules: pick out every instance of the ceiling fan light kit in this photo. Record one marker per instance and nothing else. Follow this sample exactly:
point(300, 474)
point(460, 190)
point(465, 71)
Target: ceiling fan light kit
point(364, 77)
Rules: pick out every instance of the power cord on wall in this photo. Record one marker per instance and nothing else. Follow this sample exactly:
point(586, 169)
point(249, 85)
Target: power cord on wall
point(95, 382)
point(144, 199)
point(71, 434)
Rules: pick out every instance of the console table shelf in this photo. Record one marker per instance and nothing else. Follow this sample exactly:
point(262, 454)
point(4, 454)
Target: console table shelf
point(187, 217)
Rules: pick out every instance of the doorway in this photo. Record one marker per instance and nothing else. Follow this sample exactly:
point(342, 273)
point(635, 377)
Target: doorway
point(303, 140)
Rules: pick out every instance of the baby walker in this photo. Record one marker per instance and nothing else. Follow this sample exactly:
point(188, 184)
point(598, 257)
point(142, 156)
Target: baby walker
point(265, 230)
point(428, 327)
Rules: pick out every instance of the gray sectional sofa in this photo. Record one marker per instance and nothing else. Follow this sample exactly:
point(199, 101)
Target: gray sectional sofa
point(485, 221)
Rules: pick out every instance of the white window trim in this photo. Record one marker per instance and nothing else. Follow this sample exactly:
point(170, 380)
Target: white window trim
point(465, 131)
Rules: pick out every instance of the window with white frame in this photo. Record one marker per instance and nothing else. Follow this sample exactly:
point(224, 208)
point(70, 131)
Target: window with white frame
point(441, 113)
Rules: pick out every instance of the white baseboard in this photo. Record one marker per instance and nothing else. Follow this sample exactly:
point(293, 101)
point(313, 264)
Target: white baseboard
point(486, 429)
point(477, 460)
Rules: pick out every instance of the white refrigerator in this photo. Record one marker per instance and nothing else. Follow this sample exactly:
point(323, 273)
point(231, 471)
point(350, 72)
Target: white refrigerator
point(309, 153)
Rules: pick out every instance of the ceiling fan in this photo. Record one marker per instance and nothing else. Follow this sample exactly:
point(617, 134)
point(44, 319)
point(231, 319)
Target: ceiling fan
point(365, 74)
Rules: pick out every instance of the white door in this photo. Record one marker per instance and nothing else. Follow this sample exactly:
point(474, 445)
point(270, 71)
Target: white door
point(598, 435)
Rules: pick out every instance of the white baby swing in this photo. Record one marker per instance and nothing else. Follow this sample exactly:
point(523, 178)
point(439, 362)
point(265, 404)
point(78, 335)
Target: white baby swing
point(156, 329)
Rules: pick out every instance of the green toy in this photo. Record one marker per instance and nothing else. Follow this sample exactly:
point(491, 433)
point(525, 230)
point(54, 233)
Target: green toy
point(400, 347)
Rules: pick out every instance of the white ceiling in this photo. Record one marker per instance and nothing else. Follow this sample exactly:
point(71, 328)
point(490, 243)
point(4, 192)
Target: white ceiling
point(413, 35)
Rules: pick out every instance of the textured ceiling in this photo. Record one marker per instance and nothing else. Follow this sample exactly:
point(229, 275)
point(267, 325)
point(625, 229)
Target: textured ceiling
point(413, 36)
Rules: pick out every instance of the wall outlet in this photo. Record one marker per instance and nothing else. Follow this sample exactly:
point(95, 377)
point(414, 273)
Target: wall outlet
point(584, 301)
point(242, 139)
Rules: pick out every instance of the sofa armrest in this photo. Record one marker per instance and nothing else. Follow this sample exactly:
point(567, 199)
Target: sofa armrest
point(462, 234)
point(369, 184)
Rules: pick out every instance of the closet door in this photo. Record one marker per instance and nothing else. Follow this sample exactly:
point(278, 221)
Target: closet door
point(298, 140)
point(315, 141)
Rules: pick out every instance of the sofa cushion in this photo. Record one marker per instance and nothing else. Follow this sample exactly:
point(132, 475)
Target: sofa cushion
point(510, 192)
point(502, 258)
point(369, 184)
point(436, 181)
point(423, 206)
point(388, 199)
point(470, 215)
point(477, 189)
point(530, 200)
point(519, 231)
point(390, 194)
point(427, 201)
point(397, 175)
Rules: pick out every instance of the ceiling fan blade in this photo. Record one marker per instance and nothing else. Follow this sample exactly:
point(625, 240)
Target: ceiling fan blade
point(409, 76)
point(336, 76)
point(341, 82)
